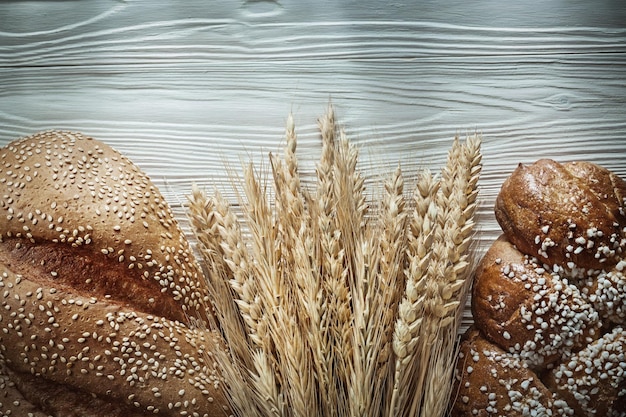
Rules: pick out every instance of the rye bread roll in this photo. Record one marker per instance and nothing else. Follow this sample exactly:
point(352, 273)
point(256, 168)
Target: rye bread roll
point(100, 294)
point(593, 381)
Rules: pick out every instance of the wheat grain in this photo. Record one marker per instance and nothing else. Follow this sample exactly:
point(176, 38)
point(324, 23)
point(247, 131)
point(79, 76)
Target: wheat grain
point(206, 221)
point(334, 312)
point(407, 332)
point(457, 203)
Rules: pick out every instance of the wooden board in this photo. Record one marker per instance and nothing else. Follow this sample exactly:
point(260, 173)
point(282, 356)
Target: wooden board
point(188, 88)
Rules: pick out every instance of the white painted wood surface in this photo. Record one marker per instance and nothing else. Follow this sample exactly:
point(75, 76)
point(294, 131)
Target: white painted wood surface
point(186, 88)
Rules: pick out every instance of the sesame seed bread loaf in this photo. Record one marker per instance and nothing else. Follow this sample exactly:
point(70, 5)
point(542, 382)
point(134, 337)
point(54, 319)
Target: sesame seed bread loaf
point(549, 296)
point(101, 296)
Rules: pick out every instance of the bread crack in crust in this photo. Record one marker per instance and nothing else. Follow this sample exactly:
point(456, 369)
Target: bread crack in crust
point(548, 299)
point(98, 289)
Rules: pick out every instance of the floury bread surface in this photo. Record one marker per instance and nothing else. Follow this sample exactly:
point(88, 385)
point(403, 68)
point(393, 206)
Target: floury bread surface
point(548, 299)
point(98, 289)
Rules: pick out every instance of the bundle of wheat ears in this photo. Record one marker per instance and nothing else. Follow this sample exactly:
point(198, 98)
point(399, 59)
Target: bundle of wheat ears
point(329, 306)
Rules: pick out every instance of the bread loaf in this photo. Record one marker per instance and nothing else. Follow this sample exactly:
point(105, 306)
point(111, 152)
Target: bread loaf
point(101, 296)
point(548, 296)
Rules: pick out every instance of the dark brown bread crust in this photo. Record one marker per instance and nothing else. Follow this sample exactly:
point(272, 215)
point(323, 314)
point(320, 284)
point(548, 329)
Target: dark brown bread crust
point(56, 265)
point(56, 399)
point(12, 400)
point(594, 380)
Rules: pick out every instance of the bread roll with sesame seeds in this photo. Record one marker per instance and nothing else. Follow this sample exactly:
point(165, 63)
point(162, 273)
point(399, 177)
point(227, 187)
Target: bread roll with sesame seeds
point(527, 310)
point(100, 292)
point(57, 399)
point(570, 215)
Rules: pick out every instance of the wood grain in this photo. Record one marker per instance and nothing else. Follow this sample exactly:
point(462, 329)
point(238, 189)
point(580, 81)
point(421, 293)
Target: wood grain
point(187, 89)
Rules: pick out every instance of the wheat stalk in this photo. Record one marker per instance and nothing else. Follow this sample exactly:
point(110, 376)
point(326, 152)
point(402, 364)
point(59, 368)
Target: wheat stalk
point(336, 320)
point(450, 266)
point(327, 311)
point(383, 293)
point(207, 219)
point(408, 328)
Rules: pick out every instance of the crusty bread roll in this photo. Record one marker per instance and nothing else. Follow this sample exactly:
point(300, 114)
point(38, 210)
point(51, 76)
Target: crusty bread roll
point(594, 380)
point(101, 297)
point(570, 215)
point(492, 382)
point(527, 310)
point(550, 293)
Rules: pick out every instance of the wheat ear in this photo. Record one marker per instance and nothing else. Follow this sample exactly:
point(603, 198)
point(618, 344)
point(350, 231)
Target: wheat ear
point(207, 222)
point(207, 218)
point(359, 259)
point(407, 332)
point(325, 311)
point(384, 287)
point(335, 294)
point(457, 201)
point(292, 339)
point(256, 373)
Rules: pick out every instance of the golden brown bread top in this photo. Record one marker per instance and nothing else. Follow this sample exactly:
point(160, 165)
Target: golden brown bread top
point(120, 355)
point(73, 191)
point(594, 380)
point(570, 215)
point(606, 292)
point(99, 289)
